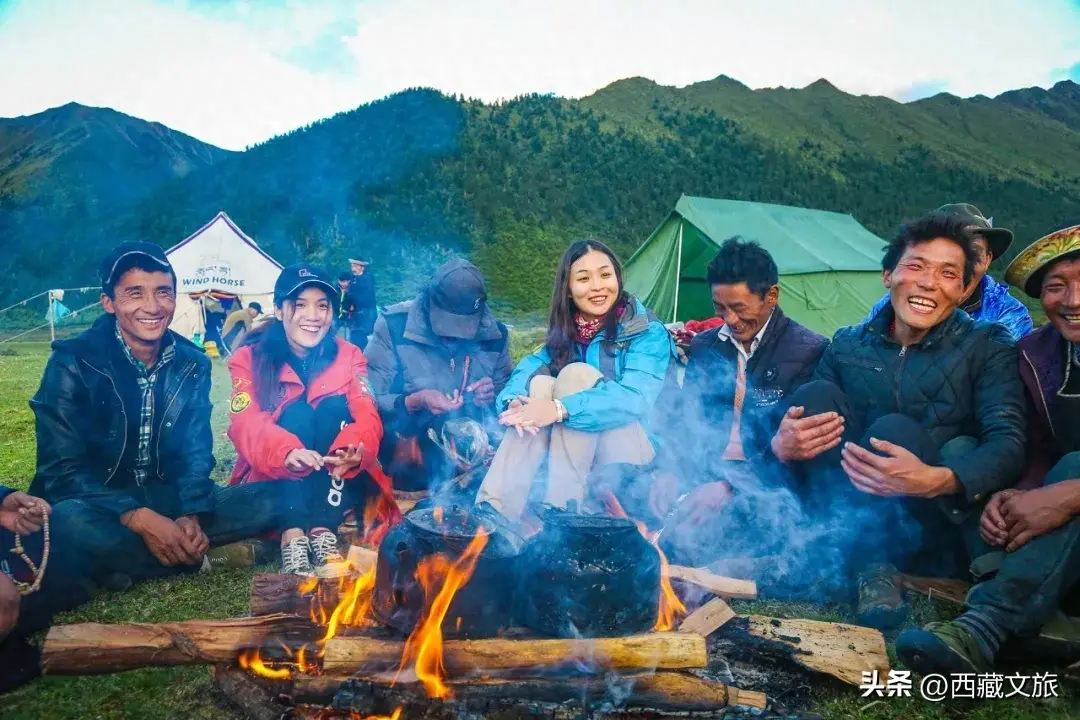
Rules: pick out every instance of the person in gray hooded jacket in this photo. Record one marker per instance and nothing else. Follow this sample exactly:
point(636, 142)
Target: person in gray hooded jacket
point(438, 358)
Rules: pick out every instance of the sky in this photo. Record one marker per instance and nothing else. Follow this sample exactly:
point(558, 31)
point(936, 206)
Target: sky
point(237, 72)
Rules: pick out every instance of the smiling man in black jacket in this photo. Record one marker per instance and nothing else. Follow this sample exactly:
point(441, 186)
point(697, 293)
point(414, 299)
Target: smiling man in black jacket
point(123, 432)
point(934, 421)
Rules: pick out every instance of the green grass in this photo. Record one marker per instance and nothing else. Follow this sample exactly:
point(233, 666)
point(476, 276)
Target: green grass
point(189, 692)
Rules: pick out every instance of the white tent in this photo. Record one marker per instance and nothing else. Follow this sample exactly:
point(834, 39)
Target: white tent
point(219, 259)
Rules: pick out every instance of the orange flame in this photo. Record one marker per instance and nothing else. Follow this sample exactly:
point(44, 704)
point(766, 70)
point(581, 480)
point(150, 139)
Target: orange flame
point(424, 646)
point(437, 514)
point(670, 606)
point(353, 607)
point(252, 661)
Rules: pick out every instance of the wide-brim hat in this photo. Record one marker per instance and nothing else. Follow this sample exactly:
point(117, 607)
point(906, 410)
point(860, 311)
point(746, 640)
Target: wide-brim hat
point(1029, 268)
point(998, 239)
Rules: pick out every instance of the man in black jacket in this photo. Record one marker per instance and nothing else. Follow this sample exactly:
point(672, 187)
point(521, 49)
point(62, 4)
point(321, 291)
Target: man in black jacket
point(738, 380)
point(934, 421)
point(123, 433)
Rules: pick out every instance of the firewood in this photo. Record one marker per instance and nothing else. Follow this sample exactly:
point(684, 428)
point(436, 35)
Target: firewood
point(954, 591)
point(663, 690)
point(716, 584)
point(650, 651)
point(706, 619)
point(247, 694)
point(280, 593)
point(843, 651)
point(92, 648)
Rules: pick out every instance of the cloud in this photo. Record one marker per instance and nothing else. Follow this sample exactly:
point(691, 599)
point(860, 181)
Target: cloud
point(918, 91)
point(239, 71)
point(1074, 72)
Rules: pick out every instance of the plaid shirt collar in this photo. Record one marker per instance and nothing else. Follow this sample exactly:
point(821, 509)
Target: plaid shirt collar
point(147, 379)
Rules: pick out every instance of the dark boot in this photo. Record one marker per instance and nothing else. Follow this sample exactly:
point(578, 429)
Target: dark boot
point(944, 648)
point(881, 605)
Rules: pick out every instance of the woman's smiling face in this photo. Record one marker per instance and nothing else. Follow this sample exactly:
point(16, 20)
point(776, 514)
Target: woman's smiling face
point(594, 287)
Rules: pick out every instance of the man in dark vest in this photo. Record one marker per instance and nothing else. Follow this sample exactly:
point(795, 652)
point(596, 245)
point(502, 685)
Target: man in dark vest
point(434, 362)
point(718, 427)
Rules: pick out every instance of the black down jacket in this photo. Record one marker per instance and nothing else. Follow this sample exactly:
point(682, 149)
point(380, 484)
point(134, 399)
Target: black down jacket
point(962, 379)
point(81, 426)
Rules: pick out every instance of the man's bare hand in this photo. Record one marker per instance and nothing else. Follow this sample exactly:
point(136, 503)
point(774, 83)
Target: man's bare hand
point(706, 501)
point(23, 514)
point(992, 527)
point(1036, 512)
point(194, 532)
point(434, 402)
point(9, 605)
point(895, 471)
point(168, 542)
point(483, 391)
point(804, 438)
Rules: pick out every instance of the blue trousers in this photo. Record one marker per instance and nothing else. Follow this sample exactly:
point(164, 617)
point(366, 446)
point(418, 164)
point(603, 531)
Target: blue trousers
point(1032, 581)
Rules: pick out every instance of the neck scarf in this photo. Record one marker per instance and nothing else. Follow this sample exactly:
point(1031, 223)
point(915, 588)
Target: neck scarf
point(589, 329)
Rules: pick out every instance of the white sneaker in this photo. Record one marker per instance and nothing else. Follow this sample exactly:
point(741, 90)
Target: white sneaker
point(329, 562)
point(295, 559)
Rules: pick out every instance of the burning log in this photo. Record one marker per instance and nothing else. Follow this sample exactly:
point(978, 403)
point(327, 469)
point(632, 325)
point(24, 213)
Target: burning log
point(716, 584)
point(634, 652)
point(92, 648)
point(659, 691)
point(708, 618)
point(257, 702)
point(843, 651)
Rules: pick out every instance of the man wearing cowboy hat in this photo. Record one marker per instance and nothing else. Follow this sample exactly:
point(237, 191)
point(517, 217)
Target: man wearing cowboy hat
point(1035, 524)
point(986, 299)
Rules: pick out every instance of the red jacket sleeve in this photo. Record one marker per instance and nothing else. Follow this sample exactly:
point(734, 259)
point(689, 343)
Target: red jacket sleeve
point(260, 441)
point(366, 428)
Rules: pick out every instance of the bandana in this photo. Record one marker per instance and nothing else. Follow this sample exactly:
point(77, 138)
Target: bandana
point(589, 329)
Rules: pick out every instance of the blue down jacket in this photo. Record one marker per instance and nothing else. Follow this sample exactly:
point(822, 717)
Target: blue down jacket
point(644, 351)
point(996, 306)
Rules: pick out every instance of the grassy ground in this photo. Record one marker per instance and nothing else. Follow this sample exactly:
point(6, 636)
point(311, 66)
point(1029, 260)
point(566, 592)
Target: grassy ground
point(189, 693)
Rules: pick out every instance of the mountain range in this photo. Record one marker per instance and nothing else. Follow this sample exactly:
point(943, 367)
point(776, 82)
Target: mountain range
point(418, 176)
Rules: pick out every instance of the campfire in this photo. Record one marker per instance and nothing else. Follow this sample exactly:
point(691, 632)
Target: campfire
point(443, 614)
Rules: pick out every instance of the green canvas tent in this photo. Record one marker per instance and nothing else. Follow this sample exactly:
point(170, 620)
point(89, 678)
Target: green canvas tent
point(830, 265)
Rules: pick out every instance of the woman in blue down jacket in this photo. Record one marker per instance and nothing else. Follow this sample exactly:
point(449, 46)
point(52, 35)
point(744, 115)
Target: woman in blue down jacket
point(585, 398)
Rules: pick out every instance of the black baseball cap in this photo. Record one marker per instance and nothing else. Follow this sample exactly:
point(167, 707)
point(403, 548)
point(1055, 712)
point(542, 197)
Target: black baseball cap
point(458, 300)
point(121, 256)
point(998, 239)
point(296, 277)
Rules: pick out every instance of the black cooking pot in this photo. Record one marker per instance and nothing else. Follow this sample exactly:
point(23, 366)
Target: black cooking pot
point(588, 576)
point(484, 604)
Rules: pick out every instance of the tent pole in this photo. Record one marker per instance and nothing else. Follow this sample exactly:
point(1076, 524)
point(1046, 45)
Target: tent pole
point(678, 276)
point(52, 321)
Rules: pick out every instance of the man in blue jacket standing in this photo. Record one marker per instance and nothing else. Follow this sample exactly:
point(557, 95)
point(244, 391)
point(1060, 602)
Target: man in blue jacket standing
point(987, 300)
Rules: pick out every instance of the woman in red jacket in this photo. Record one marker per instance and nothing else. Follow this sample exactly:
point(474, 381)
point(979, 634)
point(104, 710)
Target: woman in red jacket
point(302, 412)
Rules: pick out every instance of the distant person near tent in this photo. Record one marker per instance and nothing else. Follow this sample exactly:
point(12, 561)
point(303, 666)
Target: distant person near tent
point(365, 306)
point(987, 300)
point(239, 324)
